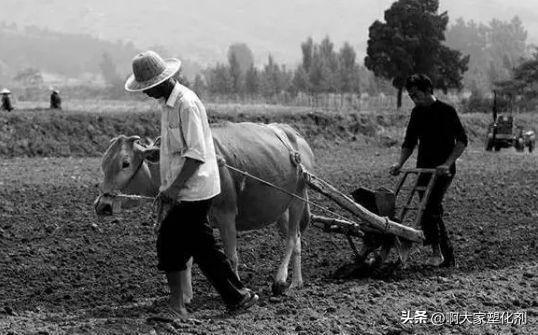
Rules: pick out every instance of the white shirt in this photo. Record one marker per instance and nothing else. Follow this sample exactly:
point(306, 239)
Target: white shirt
point(185, 133)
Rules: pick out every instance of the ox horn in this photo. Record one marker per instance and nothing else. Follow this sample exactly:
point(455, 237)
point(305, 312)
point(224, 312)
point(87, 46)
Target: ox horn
point(113, 139)
point(133, 138)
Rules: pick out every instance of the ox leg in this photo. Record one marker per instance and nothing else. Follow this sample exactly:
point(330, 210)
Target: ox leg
point(228, 234)
point(303, 221)
point(186, 282)
point(293, 248)
point(280, 285)
point(297, 278)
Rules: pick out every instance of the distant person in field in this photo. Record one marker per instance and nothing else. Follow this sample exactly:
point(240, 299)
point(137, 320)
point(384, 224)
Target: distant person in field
point(55, 100)
point(6, 100)
point(441, 139)
point(189, 181)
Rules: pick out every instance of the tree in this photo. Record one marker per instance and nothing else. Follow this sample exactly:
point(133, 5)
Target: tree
point(448, 71)
point(506, 47)
point(252, 81)
point(316, 74)
point(285, 80)
point(219, 80)
point(243, 56)
point(524, 80)
point(495, 49)
point(235, 73)
point(182, 79)
point(270, 78)
point(108, 70)
point(410, 41)
point(199, 86)
point(507, 41)
point(329, 66)
point(346, 69)
point(300, 82)
point(308, 53)
point(470, 39)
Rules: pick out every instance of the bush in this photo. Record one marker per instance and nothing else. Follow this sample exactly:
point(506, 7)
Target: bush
point(477, 103)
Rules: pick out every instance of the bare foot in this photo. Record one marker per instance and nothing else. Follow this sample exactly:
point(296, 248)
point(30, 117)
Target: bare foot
point(170, 314)
point(179, 310)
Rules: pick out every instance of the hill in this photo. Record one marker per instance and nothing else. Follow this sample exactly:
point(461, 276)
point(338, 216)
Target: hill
point(86, 130)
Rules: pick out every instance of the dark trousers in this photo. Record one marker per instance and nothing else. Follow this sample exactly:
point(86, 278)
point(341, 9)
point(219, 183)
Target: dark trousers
point(432, 219)
point(185, 233)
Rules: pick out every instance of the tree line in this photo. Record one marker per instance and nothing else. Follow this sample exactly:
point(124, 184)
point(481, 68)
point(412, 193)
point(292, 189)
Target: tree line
point(412, 37)
point(495, 49)
point(410, 40)
point(323, 69)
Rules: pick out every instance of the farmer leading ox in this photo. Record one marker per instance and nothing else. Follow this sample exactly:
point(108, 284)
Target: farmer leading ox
point(192, 185)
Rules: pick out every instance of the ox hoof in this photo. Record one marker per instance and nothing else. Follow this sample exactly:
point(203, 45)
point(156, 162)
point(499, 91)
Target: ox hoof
point(295, 285)
point(279, 288)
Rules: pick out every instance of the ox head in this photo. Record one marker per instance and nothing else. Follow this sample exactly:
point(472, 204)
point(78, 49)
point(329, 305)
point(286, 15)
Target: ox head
point(124, 168)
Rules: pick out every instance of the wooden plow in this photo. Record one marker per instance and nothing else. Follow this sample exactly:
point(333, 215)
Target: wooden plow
point(386, 221)
point(379, 219)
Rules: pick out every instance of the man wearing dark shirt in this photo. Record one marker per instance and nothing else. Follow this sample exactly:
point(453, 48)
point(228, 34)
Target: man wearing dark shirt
point(55, 100)
point(441, 140)
point(6, 100)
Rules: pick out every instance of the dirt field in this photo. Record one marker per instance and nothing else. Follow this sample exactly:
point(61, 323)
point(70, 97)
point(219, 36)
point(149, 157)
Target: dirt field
point(60, 273)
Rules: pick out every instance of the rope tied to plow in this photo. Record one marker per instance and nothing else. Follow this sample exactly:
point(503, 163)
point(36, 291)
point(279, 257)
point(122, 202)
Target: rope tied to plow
point(155, 204)
point(295, 158)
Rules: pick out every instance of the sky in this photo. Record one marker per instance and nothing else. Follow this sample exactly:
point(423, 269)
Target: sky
point(203, 29)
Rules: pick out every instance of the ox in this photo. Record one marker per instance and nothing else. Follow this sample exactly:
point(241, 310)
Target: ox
point(264, 151)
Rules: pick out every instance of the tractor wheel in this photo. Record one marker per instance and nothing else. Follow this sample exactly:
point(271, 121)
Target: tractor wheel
point(531, 146)
point(497, 147)
point(519, 145)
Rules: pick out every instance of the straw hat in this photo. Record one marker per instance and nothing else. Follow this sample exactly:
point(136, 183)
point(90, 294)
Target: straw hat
point(5, 91)
point(149, 70)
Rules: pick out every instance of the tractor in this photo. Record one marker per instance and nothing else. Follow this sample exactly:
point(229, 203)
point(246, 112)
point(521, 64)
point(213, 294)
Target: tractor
point(501, 132)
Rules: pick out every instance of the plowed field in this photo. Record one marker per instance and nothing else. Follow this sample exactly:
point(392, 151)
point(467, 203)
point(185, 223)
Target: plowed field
point(62, 271)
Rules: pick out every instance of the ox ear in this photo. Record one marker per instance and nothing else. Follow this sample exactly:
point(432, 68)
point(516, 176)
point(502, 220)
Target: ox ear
point(152, 155)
